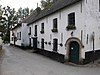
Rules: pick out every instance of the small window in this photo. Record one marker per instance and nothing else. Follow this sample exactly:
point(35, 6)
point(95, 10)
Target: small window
point(29, 31)
point(55, 27)
point(12, 38)
point(71, 21)
point(42, 28)
point(35, 30)
point(19, 35)
point(55, 45)
point(55, 23)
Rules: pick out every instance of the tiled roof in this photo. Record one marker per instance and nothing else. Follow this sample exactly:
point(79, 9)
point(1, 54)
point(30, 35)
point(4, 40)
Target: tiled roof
point(60, 4)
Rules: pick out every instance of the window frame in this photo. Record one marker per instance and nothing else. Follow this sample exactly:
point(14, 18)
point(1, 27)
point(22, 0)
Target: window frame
point(42, 28)
point(55, 23)
point(71, 21)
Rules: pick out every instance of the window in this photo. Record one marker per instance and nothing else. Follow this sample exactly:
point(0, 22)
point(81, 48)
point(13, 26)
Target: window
point(55, 25)
point(55, 45)
point(35, 30)
point(19, 36)
point(12, 39)
point(71, 21)
point(29, 31)
point(42, 28)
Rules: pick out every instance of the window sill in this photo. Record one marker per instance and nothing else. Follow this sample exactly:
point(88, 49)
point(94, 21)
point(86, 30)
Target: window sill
point(41, 32)
point(54, 30)
point(35, 35)
point(71, 27)
point(29, 33)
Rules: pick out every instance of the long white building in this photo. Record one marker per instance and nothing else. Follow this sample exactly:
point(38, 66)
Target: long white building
point(67, 31)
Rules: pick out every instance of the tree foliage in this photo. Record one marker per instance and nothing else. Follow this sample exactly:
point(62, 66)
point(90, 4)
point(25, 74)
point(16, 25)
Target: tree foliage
point(46, 3)
point(9, 17)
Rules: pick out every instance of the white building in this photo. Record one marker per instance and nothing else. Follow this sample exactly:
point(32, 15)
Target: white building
point(19, 34)
point(67, 31)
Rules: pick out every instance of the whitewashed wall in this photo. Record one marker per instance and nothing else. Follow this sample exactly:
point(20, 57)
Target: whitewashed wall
point(11, 36)
point(11, 41)
point(18, 42)
point(62, 17)
point(24, 34)
point(92, 23)
point(87, 18)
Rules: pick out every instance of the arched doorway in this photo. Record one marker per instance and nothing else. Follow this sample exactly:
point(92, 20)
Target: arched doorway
point(74, 52)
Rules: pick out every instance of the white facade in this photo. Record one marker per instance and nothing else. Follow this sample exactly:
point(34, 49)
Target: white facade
point(86, 34)
point(87, 22)
point(21, 35)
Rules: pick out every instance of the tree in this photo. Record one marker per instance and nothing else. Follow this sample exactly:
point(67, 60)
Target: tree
point(46, 3)
point(22, 13)
point(9, 19)
point(2, 27)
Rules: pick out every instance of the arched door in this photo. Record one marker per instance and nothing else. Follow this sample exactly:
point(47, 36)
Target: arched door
point(74, 52)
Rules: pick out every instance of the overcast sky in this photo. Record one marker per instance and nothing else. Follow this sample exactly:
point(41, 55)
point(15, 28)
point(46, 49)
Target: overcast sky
point(32, 4)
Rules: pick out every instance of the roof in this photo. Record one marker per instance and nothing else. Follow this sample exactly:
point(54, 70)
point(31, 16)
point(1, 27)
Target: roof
point(60, 4)
point(18, 25)
point(25, 20)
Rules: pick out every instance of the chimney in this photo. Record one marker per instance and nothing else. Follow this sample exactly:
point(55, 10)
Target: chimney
point(38, 10)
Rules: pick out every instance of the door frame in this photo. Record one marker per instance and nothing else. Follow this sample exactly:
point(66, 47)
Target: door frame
point(67, 46)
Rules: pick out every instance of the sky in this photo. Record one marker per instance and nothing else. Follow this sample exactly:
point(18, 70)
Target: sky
point(32, 4)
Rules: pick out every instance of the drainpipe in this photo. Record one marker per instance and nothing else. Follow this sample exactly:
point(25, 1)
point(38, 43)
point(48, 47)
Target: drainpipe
point(93, 49)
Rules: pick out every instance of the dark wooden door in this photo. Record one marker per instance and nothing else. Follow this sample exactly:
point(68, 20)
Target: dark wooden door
point(55, 44)
point(34, 43)
point(42, 43)
point(74, 52)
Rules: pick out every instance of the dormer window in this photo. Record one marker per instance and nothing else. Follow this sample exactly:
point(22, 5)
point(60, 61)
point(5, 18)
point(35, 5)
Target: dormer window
point(71, 21)
point(55, 27)
point(42, 28)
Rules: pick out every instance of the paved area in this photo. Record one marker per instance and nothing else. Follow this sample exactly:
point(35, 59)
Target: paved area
point(19, 62)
